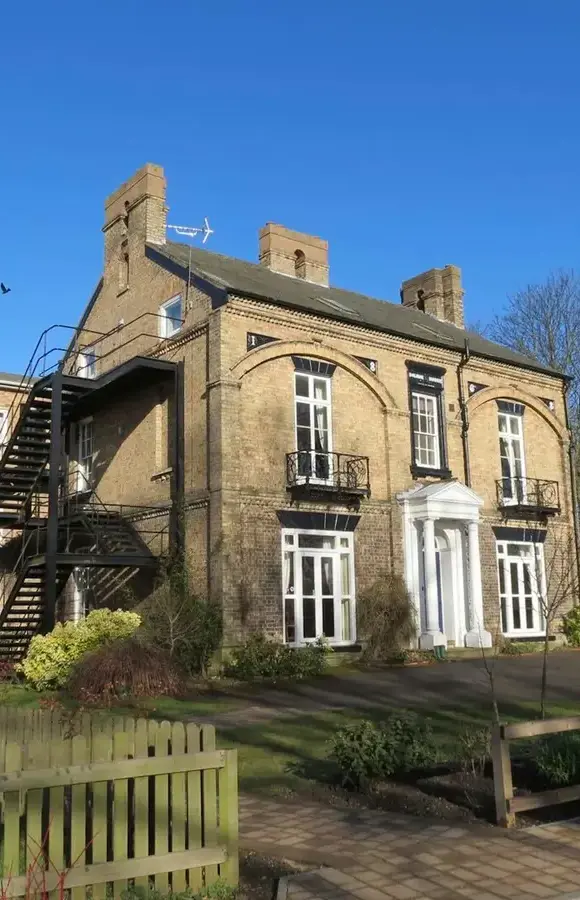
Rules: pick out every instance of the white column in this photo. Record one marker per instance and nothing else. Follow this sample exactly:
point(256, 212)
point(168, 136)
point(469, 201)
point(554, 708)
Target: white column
point(477, 636)
point(432, 636)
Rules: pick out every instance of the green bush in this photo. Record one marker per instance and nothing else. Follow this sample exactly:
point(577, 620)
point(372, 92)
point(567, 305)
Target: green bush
point(386, 617)
point(186, 626)
point(367, 751)
point(219, 890)
point(557, 758)
point(124, 669)
point(571, 626)
point(474, 749)
point(263, 658)
point(51, 657)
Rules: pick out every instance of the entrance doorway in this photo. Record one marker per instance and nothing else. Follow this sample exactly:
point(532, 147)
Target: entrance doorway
point(318, 587)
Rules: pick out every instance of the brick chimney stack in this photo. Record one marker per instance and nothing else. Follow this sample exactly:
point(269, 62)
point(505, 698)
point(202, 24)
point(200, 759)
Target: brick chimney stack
point(293, 253)
point(438, 292)
point(134, 213)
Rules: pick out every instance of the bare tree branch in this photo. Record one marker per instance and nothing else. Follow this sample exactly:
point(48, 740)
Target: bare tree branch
point(543, 321)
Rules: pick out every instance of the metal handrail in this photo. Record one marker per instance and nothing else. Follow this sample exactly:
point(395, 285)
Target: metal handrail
point(36, 367)
point(342, 471)
point(535, 493)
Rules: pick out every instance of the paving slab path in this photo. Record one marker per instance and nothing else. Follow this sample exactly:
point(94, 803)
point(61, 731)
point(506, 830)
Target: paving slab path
point(361, 854)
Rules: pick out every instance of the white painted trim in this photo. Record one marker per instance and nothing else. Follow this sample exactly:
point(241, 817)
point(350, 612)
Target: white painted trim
point(335, 553)
point(164, 330)
point(312, 402)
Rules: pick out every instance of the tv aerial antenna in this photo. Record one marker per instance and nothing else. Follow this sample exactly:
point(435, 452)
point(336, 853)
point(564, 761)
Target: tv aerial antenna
point(188, 231)
point(191, 232)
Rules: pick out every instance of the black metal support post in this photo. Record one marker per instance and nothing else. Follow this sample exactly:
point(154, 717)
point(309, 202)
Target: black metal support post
point(49, 617)
point(177, 463)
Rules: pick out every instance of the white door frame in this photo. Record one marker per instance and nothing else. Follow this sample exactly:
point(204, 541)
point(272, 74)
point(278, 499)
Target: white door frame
point(339, 594)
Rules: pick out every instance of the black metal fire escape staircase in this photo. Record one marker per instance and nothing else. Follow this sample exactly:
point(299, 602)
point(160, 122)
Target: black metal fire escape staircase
point(57, 534)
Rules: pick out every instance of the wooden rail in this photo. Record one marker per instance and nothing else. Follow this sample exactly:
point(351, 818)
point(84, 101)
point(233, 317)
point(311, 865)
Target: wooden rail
point(506, 805)
point(108, 800)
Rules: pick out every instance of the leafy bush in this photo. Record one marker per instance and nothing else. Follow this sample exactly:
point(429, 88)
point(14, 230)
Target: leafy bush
point(219, 890)
point(386, 617)
point(571, 626)
point(367, 751)
point(557, 758)
point(263, 658)
point(126, 668)
point(187, 627)
point(516, 648)
point(474, 750)
point(51, 657)
point(7, 672)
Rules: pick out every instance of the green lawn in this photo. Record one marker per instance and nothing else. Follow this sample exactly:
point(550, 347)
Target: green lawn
point(205, 704)
point(286, 755)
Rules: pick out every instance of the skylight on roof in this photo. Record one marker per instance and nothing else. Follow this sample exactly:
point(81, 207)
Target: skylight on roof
point(334, 304)
point(434, 332)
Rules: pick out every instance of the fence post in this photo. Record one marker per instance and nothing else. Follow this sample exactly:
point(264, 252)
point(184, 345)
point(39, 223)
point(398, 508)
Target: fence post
point(502, 777)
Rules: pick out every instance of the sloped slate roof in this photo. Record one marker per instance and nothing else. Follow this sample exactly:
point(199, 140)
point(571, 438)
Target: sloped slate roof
point(253, 280)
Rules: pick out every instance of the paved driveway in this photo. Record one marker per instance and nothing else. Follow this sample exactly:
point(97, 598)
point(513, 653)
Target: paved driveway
point(450, 684)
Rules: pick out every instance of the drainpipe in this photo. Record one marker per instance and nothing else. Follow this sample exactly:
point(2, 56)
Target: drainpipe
point(574, 491)
point(464, 415)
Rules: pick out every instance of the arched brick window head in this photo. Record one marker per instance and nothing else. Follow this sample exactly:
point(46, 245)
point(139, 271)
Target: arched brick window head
point(299, 264)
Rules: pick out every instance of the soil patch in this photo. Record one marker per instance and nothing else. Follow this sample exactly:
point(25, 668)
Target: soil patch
point(259, 875)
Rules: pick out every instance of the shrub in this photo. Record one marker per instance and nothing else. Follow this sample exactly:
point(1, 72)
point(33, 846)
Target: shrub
point(218, 890)
point(386, 617)
point(7, 672)
point(263, 658)
point(366, 751)
point(474, 749)
point(187, 627)
point(557, 758)
point(571, 626)
point(51, 657)
point(127, 668)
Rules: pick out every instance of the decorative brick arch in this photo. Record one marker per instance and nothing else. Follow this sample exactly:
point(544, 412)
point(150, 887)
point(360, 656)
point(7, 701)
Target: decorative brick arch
point(508, 392)
point(314, 350)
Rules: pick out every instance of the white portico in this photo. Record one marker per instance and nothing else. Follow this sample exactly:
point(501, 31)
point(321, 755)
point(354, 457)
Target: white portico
point(442, 565)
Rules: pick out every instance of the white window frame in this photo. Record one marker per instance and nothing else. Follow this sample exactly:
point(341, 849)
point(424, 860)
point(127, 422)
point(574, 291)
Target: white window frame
point(84, 472)
point(3, 428)
point(537, 583)
point(434, 400)
point(167, 326)
point(344, 547)
point(312, 402)
point(87, 363)
point(518, 497)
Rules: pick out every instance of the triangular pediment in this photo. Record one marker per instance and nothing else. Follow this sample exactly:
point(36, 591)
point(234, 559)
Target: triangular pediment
point(452, 494)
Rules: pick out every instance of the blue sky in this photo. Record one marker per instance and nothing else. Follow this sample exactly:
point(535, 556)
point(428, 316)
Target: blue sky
point(409, 135)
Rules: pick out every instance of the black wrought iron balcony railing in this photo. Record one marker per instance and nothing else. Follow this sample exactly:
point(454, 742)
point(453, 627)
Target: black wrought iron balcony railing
point(324, 471)
point(528, 494)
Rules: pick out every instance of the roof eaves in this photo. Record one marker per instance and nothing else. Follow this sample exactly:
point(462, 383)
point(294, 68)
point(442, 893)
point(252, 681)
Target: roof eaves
point(385, 330)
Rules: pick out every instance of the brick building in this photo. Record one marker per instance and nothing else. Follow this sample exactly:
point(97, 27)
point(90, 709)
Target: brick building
point(299, 440)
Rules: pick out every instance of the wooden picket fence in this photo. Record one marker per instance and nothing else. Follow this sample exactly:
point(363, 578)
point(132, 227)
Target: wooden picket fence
point(112, 802)
point(506, 805)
